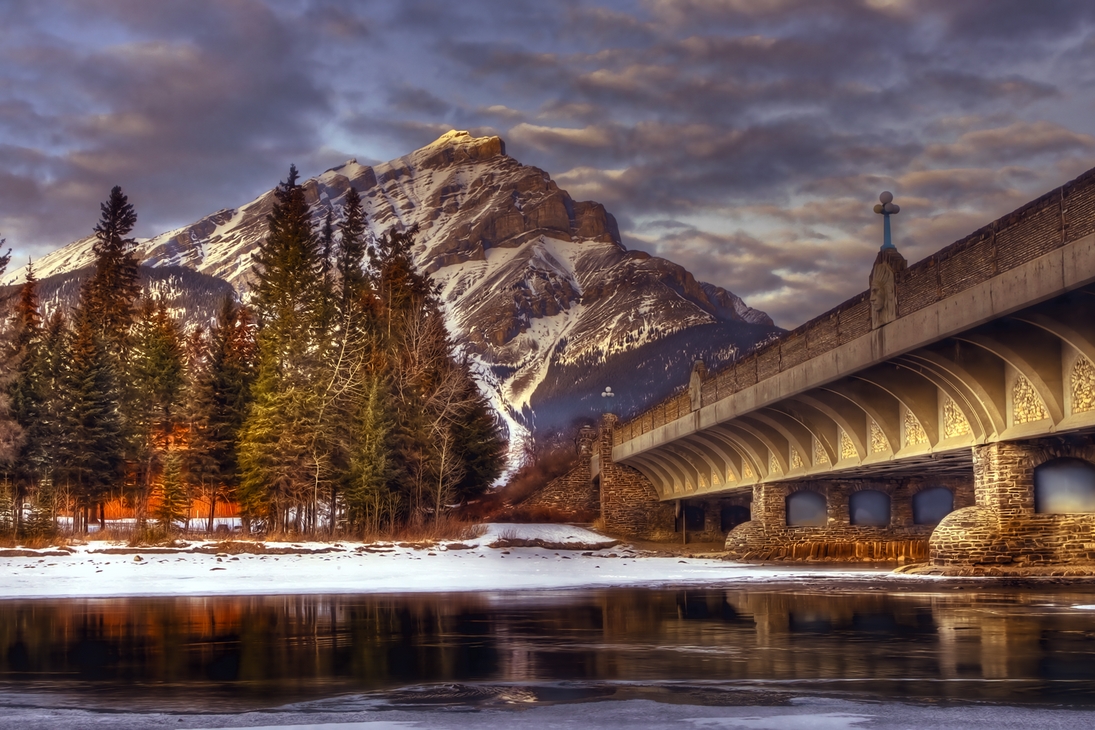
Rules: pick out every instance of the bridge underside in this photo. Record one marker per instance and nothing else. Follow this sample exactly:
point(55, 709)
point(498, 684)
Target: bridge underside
point(1024, 375)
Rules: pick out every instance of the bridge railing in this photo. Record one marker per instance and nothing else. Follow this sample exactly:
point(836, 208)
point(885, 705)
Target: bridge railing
point(1060, 216)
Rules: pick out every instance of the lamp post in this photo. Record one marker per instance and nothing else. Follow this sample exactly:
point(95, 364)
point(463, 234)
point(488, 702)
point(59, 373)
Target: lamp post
point(606, 398)
point(886, 207)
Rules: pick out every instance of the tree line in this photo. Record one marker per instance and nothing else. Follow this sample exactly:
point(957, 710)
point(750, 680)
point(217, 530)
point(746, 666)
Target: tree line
point(332, 403)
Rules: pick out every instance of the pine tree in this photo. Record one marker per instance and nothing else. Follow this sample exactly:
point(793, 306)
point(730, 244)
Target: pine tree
point(49, 380)
point(112, 291)
point(7, 509)
point(42, 521)
point(155, 392)
point(370, 502)
point(482, 441)
point(11, 434)
point(327, 249)
point(90, 449)
point(353, 282)
point(158, 362)
point(284, 457)
point(288, 293)
point(172, 506)
point(221, 396)
point(26, 390)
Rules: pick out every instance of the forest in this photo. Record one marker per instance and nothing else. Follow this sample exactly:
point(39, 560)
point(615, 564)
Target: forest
point(332, 403)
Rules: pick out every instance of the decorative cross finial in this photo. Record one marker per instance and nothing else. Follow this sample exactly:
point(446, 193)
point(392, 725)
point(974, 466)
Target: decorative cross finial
point(886, 207)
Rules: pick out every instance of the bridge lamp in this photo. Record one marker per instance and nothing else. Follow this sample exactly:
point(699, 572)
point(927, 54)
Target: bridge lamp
point(886, 207)
point(606, 397)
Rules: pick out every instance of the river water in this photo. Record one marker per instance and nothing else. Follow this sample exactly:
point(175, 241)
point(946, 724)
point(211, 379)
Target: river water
point(698, 647)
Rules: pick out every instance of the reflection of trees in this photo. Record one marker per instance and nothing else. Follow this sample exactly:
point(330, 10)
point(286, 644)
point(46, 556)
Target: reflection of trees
point(294, 646)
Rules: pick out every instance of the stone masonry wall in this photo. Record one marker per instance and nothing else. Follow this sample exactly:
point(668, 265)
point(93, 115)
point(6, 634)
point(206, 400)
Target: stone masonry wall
point(1061, 216)
point(629, 503)
point(1002, 529)
point(573, 495)
point(768, 536)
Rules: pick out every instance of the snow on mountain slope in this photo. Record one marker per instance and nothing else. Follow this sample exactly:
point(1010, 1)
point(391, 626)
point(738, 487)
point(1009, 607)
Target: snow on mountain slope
point(534, 283)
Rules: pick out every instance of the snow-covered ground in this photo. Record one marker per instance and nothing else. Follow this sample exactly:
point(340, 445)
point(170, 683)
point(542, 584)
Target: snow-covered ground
point(473, 565)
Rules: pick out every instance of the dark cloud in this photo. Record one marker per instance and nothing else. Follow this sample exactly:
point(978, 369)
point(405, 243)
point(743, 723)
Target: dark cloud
point(746, 140)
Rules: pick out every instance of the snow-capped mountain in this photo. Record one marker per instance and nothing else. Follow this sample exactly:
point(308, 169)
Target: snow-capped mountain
point(537, 287)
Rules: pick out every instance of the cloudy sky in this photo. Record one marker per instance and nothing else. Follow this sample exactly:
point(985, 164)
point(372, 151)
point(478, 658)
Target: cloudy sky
point(744, 139)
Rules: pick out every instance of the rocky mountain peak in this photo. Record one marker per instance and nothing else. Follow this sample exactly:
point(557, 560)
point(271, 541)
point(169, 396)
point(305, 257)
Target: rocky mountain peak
point(536, 286)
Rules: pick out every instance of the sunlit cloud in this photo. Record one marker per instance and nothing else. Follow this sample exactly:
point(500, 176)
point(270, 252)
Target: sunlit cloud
point(744, 139)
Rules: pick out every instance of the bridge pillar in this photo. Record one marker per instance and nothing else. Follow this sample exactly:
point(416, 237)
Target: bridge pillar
point(629, 502)
point(1003, 528)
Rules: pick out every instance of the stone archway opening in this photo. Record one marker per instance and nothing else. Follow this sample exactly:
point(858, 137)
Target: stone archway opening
point(869, 508)
point(806, 509)
point(1064, 486)
point(931, 505)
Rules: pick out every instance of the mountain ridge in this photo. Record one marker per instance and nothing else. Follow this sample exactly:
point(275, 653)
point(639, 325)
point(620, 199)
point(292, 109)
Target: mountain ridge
point(533, 283)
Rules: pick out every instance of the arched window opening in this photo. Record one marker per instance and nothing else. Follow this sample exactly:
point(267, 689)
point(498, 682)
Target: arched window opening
point(806, 509)
point(1064, 486)
point(870, 508)
point(932, 505)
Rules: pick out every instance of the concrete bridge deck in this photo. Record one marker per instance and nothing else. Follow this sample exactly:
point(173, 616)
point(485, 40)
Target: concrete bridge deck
point(983, 352)
point(1008, 358)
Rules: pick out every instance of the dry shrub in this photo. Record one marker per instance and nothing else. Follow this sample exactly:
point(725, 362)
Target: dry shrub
point(544, 513)
point(113, 533)
point(34, 542)
point(449, 527)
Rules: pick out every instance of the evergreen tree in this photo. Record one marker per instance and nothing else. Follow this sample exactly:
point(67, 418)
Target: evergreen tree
point(112, 291)
point(221, 395)
point(288, 292)
point(482, 441)
point(155, 388)
point(158, 364)
point(42, 521)
point(26, 390)
point(90, 449)
point(327, 248)
point(353, 287)
point(173, 503)
point(284, 455)
point(445, 445)
point(7, 509)
point(369, 501)
point(11, 434)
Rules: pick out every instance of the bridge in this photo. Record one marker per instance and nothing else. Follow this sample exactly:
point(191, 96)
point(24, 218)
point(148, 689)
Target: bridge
point(946, 412)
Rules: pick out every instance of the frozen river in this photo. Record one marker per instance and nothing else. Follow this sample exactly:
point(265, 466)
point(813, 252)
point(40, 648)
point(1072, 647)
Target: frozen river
point(734, 657)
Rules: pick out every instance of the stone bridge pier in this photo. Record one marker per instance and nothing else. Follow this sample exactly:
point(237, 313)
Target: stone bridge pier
point(1035, 506)
point(629, 502)
point(881, 520)
point(1022, 503)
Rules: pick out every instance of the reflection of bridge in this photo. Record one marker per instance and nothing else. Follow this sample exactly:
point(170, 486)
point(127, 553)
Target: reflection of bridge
point(965, 370)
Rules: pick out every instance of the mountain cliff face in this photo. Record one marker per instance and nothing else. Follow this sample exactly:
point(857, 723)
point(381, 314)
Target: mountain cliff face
point(537, 287)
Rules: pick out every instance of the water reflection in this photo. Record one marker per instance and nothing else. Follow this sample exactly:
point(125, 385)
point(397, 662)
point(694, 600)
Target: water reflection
point(277, 649)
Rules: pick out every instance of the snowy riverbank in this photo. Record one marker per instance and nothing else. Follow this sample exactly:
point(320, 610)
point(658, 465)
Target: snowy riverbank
point(101, 569)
